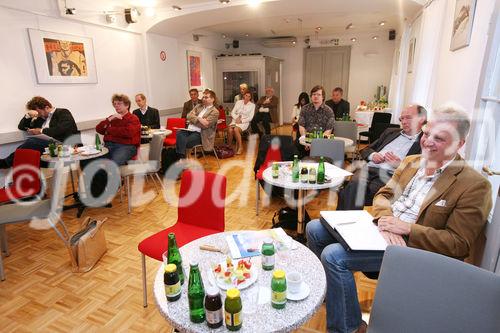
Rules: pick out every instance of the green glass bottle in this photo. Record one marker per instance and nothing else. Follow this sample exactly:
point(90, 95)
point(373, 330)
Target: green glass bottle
point(174, 256)
point(232, 310)
point(276, 170)
point(196, 294)
point(320, 133)
point(295, 169)
point(278, 289)
point(98, 142)
point(321, 171)
point(268, 254)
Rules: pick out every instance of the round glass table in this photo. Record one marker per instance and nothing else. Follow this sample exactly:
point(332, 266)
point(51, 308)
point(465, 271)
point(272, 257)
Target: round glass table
point(257, 313)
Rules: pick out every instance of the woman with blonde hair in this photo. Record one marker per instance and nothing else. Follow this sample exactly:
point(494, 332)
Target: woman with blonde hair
point(241, 114)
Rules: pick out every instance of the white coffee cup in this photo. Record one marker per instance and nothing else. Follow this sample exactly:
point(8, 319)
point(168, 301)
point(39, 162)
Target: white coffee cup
point(294, 281)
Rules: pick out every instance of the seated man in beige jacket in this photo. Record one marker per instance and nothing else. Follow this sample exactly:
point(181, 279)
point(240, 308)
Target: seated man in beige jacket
point(433, 202)
point(201, 130)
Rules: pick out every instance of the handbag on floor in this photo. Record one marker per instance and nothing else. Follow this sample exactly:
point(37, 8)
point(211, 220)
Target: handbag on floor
point(87, 246)
point(287, 218)
point(224, 151)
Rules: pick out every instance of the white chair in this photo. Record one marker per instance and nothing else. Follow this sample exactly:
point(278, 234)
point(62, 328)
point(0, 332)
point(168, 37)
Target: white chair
point(149, 168)
point(333, 149)
point(43, 211)
point(419, 291)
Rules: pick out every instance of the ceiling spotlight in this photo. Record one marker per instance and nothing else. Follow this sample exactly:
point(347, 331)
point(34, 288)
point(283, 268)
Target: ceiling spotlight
point(294, 42)
point(353, 39)
point(224, 36)
point(375, 37)
point(318, 28)
point(246, 35)
point(381, 23)
point(224, 2)
point(349, 26)
point(176, 8)
point(69, 11)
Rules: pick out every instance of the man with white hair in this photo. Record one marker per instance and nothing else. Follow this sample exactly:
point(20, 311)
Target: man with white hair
point(266, 109)
point(434, 202)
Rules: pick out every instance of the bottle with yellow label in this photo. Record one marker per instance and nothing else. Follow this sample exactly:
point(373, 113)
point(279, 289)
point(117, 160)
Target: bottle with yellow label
point(172, 283)
point(278, 289)
point(232, 309)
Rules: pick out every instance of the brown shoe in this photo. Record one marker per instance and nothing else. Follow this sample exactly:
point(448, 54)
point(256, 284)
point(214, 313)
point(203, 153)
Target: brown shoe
point(362, 328)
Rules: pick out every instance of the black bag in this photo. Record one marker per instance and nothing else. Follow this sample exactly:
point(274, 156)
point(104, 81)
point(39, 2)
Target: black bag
point(168, 157)
point(287, 217)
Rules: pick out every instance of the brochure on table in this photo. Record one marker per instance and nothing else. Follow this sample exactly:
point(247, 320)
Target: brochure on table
point(246, 244)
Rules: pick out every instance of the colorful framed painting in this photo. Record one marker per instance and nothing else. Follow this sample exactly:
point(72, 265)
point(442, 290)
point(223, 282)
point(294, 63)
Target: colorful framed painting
point(62, 58)
point(194, 69)
point(462, 24)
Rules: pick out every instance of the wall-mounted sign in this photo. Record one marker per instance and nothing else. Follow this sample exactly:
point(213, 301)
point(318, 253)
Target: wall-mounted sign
point(163, 55)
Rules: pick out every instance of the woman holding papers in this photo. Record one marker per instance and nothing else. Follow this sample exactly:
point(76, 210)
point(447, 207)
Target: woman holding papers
point(242, 114)
point(433, 202)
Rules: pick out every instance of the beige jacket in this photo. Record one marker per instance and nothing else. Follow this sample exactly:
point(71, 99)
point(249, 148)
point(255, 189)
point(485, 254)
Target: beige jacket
point(207, 132)
point(451, 227)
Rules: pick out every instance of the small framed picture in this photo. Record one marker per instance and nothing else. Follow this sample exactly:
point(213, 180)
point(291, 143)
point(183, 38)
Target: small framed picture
point(462, 24)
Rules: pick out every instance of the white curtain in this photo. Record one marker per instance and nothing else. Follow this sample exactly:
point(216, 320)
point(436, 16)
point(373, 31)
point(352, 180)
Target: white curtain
point(398, 77)
point(429, 40)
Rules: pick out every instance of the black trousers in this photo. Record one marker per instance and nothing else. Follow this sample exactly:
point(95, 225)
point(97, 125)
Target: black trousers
point(265, 117)
point(30, 143)
point(362, 187)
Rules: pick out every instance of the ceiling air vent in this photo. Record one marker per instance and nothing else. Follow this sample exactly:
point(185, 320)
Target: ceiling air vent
point(279, 42)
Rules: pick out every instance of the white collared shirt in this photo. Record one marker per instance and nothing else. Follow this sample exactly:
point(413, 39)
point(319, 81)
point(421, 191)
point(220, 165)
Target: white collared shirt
point(195, 128)
point(407, 207)
point(49, 117)
point(143, 111)
point(400, 146)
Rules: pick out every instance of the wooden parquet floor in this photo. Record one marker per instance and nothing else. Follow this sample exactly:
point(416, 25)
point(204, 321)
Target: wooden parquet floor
point(41, 293)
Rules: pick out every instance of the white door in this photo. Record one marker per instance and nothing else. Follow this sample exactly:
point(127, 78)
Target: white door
point(329, 67)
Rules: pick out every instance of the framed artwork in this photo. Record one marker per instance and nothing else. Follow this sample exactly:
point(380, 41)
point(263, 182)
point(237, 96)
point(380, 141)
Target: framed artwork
point(194, 69)
point(411, 55)
point(462, 24)
point(61, 58)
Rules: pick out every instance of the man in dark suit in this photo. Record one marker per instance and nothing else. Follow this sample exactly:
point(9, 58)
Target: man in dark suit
point(383, 156)
point(189, 105)
point(266, 110)
point(147, 115)
point(42, 118)
point(339, 105)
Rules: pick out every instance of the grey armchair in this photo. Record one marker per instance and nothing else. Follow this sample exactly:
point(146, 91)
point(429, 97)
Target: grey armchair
point(420, 291)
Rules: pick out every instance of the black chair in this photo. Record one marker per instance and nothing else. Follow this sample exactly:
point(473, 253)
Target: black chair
point(377, 129)
point(378, 118)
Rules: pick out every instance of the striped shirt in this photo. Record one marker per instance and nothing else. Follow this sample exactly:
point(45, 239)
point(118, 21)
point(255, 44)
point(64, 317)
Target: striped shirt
point(407, 207)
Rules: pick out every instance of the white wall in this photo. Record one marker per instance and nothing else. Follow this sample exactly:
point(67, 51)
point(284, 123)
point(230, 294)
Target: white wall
point(371, 65)
point(169, 79)
point(118, 56)
point(410, 77)
point(457, 76)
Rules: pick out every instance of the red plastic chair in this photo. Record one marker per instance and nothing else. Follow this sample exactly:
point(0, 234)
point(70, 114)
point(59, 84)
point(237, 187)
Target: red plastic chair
point(26, 181)
point(273, 155)
point(204, 216)
point(173, 124)
point(221, 122)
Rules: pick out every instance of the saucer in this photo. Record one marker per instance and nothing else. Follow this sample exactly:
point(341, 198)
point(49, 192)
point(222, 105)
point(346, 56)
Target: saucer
point(303, 293)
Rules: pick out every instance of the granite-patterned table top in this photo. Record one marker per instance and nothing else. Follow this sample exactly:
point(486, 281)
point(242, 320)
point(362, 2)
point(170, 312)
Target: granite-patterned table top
point(263, 318)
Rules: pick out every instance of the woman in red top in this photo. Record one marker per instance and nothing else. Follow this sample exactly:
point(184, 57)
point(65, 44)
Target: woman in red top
point(121, 130)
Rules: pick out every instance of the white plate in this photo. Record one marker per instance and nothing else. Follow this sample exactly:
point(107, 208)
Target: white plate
point(225, 286)
point(303, 293)
point(91, 152)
